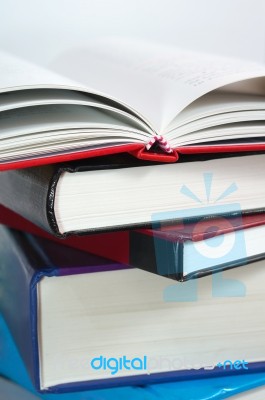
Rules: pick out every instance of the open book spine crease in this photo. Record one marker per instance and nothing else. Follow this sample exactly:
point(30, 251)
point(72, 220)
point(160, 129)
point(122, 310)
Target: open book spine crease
point(162, 143)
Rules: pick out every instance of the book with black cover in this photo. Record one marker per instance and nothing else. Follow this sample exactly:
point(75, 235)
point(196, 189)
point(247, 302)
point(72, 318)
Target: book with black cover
point(116, 193)
point(189, 250)
point(64, 311)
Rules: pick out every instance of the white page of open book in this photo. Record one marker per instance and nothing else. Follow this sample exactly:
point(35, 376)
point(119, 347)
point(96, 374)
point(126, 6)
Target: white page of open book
point(18, 74)
point(157, 81)
point(32, 131)
point(38, 97)
point(54, 117)
point(216, 103)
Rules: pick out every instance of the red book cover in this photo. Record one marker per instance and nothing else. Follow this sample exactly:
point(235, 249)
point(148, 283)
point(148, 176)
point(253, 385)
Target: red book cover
point(137, 150)
point(114, 245)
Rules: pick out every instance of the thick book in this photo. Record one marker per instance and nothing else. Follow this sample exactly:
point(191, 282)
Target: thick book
point(191, 250)
point(153, 101)
point(180, 251)
point(27, 261)
point(114, 193)
point(12, 367)
point(83, 323)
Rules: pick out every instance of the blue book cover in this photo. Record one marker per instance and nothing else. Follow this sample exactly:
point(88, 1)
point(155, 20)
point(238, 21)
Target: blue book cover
point(12, 367)
point(27, 261)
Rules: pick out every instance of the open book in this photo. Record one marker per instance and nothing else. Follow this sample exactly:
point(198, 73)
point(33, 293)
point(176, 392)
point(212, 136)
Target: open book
point(124, 96)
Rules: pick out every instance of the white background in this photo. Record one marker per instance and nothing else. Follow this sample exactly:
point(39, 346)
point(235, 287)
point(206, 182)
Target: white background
point(41, 30)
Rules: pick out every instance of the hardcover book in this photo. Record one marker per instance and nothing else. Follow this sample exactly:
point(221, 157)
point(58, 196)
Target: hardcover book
point(12, 367)
point(191, 250)
point(152, 101)
point(114, 193)
point(81, 323)
point(162, 250)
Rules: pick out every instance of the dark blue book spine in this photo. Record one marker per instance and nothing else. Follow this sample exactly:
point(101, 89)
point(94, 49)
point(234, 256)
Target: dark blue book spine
point(19, 274)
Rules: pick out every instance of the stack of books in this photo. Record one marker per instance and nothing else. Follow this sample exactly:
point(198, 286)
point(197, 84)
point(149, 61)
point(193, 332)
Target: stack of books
point(127, 173)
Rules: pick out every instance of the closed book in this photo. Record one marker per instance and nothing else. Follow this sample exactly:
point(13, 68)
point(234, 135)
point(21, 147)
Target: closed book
point(12, 367)
point(165, 249)
point(189, 250)
point(116, 193)
point(87, 104)
point(82, 323)
point(27, 261)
